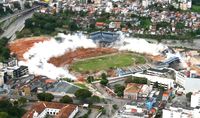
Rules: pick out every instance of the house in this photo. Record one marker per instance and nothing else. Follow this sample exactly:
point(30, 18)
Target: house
point(100, 24)
point(56, 110)
point(26, 90)
point(133, 91)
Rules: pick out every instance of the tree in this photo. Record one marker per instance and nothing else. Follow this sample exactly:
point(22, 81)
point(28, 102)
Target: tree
point(73, 26)
point(17, 5)
point(45, 97)
point(27, 5)
point(29, 23)
point(103, 76)
point(90, 79)
point(180, 25)
point(8, 110)
point(83, 94)
point(162, 25)
point(94, 99)
point(103, 111)
point(66, 99)
point(155, 85)
point(115, 106)
point(188, 96)
point(3, 115)
point(129, 80)
point(119, 90)
point(104, 82)
point(22, 100)
point(145, 23)
point(49, 27)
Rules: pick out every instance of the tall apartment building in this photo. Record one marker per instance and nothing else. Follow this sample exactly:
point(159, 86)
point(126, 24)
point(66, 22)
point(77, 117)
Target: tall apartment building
point(195, 99)
point(177, 112)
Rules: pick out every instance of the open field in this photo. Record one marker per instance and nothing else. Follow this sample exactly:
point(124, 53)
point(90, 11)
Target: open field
point(106, 62)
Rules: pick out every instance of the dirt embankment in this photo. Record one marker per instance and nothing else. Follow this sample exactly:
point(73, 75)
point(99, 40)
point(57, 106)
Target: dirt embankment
point(20, 46)
point(80, 53)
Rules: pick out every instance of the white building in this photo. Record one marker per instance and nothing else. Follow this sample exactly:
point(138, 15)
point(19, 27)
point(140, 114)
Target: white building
point(145, 3)
point(161, 80)
point(132, 111)
point(56, 110)
point(1, 78)
point(195, 99)
point(174, 112)
point(189, 83)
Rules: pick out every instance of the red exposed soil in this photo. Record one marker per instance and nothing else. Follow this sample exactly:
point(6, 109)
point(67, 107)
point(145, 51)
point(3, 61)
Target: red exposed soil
point(20, 46)
point(80, 53)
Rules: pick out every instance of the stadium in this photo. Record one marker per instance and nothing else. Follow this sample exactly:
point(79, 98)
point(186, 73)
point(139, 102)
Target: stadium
point(91, 56)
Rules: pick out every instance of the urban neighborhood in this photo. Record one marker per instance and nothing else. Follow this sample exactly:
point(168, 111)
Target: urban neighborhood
point(99, 59)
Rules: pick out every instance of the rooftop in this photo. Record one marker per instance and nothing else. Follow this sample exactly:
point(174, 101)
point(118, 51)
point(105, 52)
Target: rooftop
point(133, 88)
point(63, 86)
point(101, 36)
point(65, 109)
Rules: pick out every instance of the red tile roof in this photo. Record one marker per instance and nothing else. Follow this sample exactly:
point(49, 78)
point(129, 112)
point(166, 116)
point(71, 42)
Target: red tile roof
point(65, 109)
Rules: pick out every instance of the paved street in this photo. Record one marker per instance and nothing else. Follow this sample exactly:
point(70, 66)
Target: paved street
point(17, 25)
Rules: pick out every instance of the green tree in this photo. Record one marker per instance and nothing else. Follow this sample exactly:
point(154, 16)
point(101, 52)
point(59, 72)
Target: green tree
point(104, 82)
point(22, 100)
point(45, 97)
point(73, 26)
point(17, 5)
point(29, 23)
point(66, 99)
point(180, 25)
point(155, 85)
point(49, 27)
point(90, 79)
point(3, 115)
point(119, 90)
point(115, 106)
point(188, 96)
point(27, 5)
point(129, 80)
point(145, 23)
point(103, 76)
point(8, 110)
point(94, 99)
point(83, 94)
point(103, 111)
point(162, 25)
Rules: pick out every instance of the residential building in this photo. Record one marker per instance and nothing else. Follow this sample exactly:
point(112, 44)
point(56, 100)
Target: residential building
point(16, 71)
point(26, 90)
point(133, 91)
point(164, 81)
point(133, 111)
point(177, 112)
point(195, 99)
point(56, 110)
point(1, 78)
point(188, 80)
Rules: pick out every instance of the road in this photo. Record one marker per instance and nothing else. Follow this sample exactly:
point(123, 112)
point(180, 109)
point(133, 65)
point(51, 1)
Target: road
point(18, 13)
point(195, 44)
point(17, 25)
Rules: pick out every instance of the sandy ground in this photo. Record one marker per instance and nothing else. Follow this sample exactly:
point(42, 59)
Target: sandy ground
point(20, 46)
